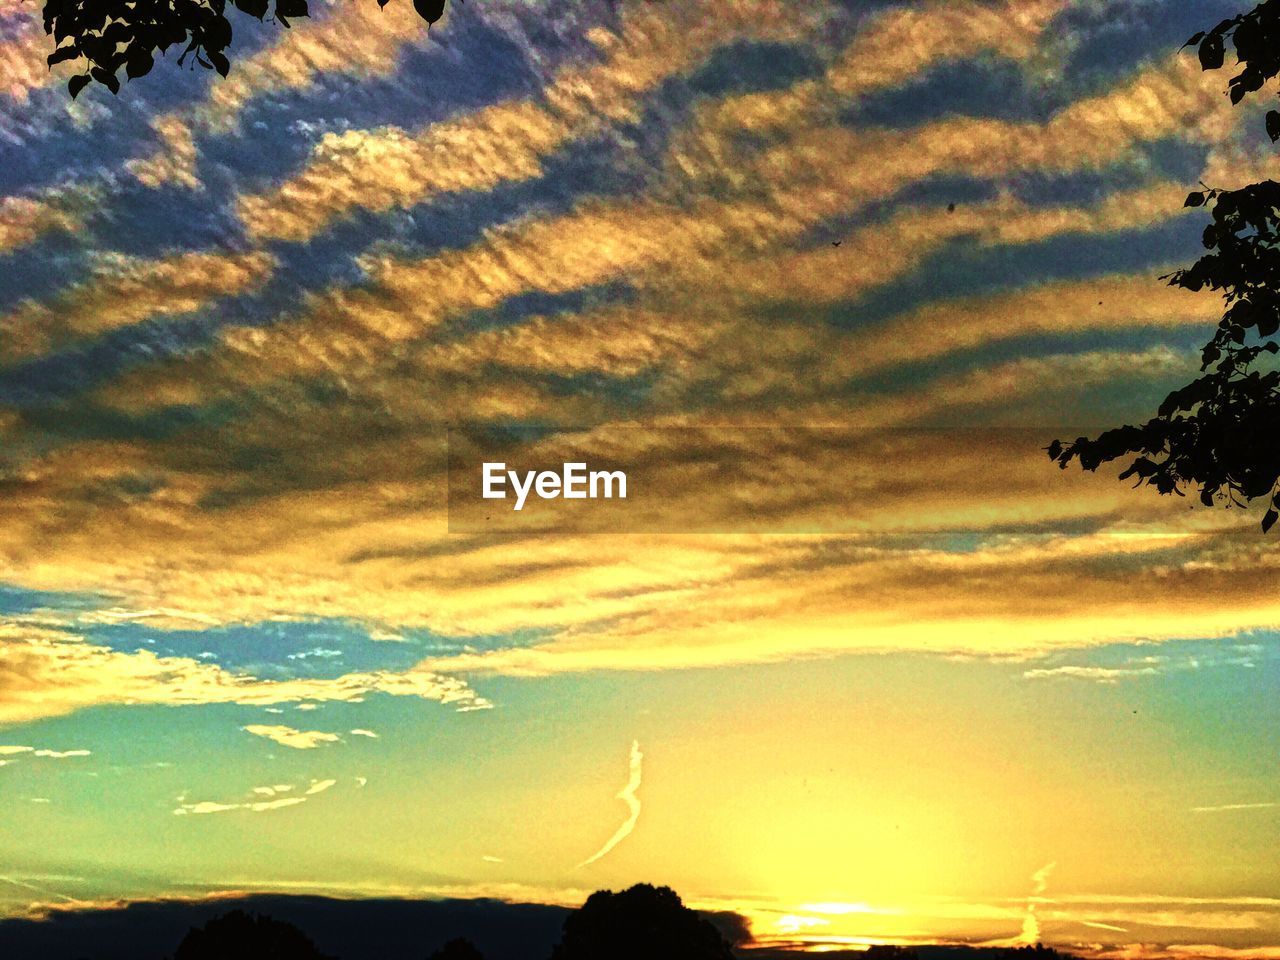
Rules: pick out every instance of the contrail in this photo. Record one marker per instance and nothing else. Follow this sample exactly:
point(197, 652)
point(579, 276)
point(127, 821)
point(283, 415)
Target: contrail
point(1103, 926)
point(41, 890)
point(1031, 925)
point(1234, 806)
point(628, 796)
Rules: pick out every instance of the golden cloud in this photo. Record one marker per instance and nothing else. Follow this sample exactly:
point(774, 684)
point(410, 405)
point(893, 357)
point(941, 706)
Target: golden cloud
point(125, 292)
point(174, 160)
point(388, 167)
point(244, 520)
point(45, 673)
point(22, 219)
point(23, 64)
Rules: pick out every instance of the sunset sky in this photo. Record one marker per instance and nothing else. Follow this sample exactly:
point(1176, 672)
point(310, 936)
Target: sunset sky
point(895, 679)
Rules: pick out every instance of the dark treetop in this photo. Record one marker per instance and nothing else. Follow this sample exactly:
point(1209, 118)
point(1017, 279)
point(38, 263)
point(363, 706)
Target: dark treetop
point(641, 923)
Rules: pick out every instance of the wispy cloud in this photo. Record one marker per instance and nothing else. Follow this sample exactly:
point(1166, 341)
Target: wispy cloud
point(1228, 807)
point(273, 800)
point(630, 797)
point(274, 789)
point(1203, 656)
point(1098, 674)
point(45, 672)
point(256, 806)
point(289, 737)
point(44, 754)
point(1097, 925)
point(25, 883)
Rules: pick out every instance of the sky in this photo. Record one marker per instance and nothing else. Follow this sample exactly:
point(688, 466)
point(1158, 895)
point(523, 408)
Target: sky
point(855, 659)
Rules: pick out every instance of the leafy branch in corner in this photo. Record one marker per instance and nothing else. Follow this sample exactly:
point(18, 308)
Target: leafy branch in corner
point(1219, 433)
point(114, 36)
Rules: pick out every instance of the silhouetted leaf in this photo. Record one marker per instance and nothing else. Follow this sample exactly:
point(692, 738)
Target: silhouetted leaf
point(77, 83)
point(1269, 519)
point(106, 78)
point(217, 34)
point(63, 53)
point(138, 64)
point(1212, 52)
point(429, 10)
point(1194, 200)
point(255, 8)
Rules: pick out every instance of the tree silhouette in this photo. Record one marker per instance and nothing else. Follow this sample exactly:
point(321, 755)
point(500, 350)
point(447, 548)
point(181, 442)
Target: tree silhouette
point(888, 951)
point(244, 936)
point(114, 35)
point(642, 923)
point(1217, 433)
point(459, 949)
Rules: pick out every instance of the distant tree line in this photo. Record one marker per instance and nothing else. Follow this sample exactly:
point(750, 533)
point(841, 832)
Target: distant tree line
point(641, 923)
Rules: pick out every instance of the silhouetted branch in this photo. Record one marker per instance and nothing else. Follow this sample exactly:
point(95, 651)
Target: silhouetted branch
point(1218, 433)
point(111, 36)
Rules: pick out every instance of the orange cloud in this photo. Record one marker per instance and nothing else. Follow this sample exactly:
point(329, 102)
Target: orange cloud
point(128, 291)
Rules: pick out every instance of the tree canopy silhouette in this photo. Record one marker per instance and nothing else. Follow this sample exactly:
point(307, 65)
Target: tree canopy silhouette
point(641, 923)
point(889, 951)
point(245, 936)
point(113, 35)
point(1218, 432)
point(458, 949)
